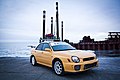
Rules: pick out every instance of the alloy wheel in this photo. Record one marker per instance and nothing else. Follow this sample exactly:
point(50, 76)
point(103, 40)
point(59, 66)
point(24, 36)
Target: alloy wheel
point(33, 61)
point(58, 68)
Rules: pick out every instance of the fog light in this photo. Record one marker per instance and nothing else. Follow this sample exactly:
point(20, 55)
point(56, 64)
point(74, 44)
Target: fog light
point(77, 67)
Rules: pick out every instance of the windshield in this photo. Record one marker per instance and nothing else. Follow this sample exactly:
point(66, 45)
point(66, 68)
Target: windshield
point(61, 46)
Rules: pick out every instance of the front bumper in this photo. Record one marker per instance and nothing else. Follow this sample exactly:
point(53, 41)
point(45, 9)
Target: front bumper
point(82, 66)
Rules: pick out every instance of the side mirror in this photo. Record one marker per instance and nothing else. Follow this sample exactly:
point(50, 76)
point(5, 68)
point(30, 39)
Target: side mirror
point(48, 49)
point(32, 46)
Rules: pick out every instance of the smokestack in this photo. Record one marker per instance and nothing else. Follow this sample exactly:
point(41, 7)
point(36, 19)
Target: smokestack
point(51, 25)
point(62, 30)
point(57, 20)
point(44, 12)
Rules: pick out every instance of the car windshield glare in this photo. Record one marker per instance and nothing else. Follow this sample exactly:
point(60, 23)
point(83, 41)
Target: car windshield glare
point(62, 47)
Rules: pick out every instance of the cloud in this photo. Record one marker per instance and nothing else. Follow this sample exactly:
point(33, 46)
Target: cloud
point(23, 19)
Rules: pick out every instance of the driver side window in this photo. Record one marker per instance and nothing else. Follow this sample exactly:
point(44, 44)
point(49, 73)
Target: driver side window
point(45, 45)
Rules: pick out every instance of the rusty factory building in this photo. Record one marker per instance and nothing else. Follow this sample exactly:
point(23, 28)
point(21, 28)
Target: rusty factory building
point(111, 43)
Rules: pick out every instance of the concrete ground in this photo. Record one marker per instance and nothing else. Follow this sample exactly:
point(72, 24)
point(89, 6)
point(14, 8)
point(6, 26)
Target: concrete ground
point(21, 69)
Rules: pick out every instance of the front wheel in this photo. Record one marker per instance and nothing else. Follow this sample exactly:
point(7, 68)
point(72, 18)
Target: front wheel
point(58, 68)
point(33, 61)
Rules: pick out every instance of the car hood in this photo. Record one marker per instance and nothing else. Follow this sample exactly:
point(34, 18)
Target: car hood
point(78, 53)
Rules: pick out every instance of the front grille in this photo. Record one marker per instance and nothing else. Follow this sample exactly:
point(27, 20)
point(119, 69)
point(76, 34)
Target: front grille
point(86, 66)
point(88, 59)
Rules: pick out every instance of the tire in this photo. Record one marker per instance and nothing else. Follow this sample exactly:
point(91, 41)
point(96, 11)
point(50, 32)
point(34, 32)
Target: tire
point(33, 61)
point(58, 67)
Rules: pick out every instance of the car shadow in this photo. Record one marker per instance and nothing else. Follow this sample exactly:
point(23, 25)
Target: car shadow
point(69, 75)
point(43, 66)
point(90, 74)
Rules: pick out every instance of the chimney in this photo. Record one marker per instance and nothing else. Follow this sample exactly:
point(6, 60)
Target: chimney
point(51, 25)
point(57, 20)
point(44, 12)
point(62, 30)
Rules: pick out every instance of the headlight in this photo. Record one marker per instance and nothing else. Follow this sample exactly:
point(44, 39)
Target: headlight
point(95, 57)
point(75, 59)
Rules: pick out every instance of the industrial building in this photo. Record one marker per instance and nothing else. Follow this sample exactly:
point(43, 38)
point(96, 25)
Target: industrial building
point(110, 43)
point(53, 35)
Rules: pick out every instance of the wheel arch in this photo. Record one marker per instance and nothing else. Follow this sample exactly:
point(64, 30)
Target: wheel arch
point(55, 59)
point(58, 59)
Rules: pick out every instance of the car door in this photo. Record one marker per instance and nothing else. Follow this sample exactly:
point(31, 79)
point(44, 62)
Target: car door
point(46, 55)
point(38, 53)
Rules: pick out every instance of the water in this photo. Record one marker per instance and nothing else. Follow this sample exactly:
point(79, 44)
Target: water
point(16, 49)
point(21, 49)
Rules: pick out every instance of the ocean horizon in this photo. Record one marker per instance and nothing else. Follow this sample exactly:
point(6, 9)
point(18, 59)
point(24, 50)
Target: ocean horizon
point(23, 49)
point(16, 49)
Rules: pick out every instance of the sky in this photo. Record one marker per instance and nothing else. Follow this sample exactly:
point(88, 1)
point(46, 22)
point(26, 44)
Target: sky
point(22, 20)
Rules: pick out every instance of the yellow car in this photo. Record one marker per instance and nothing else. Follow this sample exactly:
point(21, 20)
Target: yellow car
point(62, 57)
